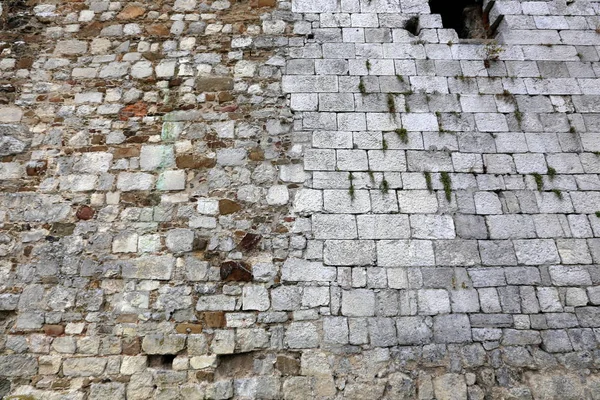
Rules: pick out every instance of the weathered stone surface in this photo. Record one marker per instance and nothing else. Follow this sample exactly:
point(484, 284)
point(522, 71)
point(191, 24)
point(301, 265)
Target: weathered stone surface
point(163, 344)
point(214, 84)
point(87, 366)
point(16, 365)
point(196, 194)
point(235, 271)
point(14, 139)
point(150, 267)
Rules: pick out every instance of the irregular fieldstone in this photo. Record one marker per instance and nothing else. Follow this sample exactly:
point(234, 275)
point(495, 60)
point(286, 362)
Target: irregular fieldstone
point(249, 241)
point(163, 344)
point(18, 365)
point(131, 11)
point(236, 271)
point(289, 366)
point(228, 207)
point(85, 213)
point(14, 139)
point(450, 387)
point(214, 84)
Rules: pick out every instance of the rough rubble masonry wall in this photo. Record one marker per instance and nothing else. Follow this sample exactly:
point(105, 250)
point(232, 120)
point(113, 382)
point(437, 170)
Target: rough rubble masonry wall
point(259, 199)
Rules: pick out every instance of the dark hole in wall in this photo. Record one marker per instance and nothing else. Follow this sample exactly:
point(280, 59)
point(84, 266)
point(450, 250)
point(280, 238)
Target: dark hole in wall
point(161, 361)
point(412, 25)
point(466, 17)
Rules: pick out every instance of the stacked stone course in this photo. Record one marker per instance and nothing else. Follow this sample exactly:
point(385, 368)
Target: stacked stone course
point(294, 200)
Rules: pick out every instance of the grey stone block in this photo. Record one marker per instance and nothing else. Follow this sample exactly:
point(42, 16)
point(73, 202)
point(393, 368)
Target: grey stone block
point(456, 252)
point(358, 303)
point(464, 301)
point(433, 301)
point(302, 335)
point(349, 252)
point(454, 328)
point(414, 330)
point(405, 253)
point(497, 252)
point(556, 341)
point(382, 332)
point(383, 226)
point(335, 330)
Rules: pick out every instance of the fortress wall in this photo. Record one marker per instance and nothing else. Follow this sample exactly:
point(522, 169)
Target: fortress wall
point(310, 199)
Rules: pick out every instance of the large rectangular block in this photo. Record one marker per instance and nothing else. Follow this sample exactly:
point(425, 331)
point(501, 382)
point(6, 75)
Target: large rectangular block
point(417, 202)
point(432, 226)
point(336, 102)
point(383, 226)
point(309, 84)
point(457, 252)
point(315, 6)
point(150, 267)
point(511, 226)
point(387, 160)
point(334, 226)
point(297, 270)
point(343, 202)
point(536, 251)
point(405, 253)
point(358, 303)
point(349, 252)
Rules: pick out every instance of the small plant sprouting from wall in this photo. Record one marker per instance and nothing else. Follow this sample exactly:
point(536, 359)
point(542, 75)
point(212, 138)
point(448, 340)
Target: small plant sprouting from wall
point(371, 176)
point(384, 144)
point(539, 181)
point(361, 86)
point(391, 103)
point(491, 52)
point(428, 181)
point(368, 65)
point(400, 78)
point(597, 214)
point(402, 135)
point(557, 193)
point(351, 188)
point(519, 117)
point(446, 181)
point(384, 187)
point(551, 173)
point(438, 116)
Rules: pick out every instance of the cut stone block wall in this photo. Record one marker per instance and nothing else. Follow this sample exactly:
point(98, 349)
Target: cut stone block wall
point(296, 200)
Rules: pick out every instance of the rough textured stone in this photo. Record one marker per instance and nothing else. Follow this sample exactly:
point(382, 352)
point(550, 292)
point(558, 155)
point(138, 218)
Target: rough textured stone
point(353, 193)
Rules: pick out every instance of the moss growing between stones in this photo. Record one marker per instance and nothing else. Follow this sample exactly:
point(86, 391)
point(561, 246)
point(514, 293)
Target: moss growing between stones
point(539, 181)
point(371, 176)
point(519, 117)
point(557, 193)
point(391, 103)
point(438, 116)
point(402, 135)
point(351, 188)
point(361, 86)
point(551, 173)
point(384, 186)
point(428, 181)
point(447, 184)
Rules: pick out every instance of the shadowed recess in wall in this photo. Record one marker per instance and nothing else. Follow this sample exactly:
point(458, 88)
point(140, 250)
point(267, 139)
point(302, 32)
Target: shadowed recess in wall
point(466, 17)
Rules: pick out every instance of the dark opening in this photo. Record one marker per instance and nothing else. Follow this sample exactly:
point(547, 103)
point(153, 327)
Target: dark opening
point(412, 25)
point(466, 17)
point(161, 361)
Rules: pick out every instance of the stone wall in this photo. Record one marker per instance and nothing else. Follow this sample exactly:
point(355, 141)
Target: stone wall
point(296, 200)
